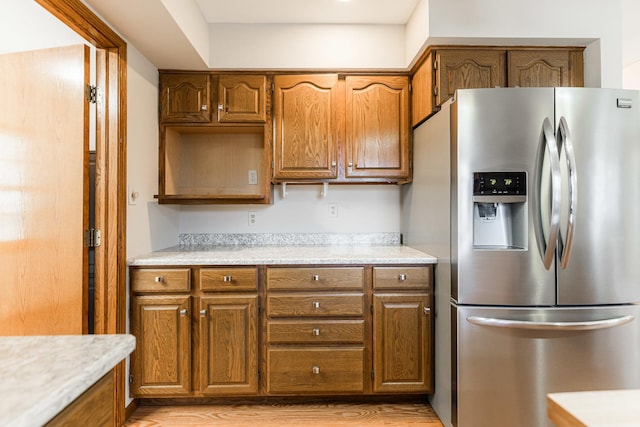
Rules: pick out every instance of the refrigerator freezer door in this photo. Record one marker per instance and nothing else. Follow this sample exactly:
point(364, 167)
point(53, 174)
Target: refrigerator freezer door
point(503, 371)
point(602, 266)
point(498, 131)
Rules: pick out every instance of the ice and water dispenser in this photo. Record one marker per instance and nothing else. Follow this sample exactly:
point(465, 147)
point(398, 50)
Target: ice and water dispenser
point(499, 210)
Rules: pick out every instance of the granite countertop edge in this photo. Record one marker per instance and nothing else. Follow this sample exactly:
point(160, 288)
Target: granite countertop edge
point(42, 375)
point(283, 255)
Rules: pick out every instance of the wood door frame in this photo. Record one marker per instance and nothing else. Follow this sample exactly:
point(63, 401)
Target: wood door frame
point(110, 205)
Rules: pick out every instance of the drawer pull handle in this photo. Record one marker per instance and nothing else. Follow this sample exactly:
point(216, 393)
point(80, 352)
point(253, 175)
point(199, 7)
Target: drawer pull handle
point(227, 279)
point(315, 277)
point(159, 279)
point(203, 313)
point(183, 312)
point(316, 370)
point(402, 277)
point(316, 304)
point(316, 332)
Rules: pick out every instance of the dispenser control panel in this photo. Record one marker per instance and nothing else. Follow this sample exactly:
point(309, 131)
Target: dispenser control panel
point(499, 183)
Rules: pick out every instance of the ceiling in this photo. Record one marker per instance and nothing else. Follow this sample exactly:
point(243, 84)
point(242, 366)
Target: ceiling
point(307, 11)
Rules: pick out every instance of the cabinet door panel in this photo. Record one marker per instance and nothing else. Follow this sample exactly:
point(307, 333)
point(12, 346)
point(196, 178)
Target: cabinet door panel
point(185, 98)
point(305, 126)
point(377, 126)
point(422, 91)
point(468, 69)
point(229, 345)
point(545, 68)
point(402, 343)
point(241, 99)
point(161, 363)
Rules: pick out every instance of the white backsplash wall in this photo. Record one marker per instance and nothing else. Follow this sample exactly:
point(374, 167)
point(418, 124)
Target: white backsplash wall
point(360, 209)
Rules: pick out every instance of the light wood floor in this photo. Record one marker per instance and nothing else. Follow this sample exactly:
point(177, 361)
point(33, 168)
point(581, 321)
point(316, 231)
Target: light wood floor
point(272, 415)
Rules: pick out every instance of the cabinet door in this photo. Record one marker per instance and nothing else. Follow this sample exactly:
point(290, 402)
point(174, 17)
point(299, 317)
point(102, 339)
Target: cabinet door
point(402, 343)
point(161, 363)
point(377, 126)
point(229, 345)
point(305, 126)
point(468, 69)
point(242, 99)
point(185, 98)
point(545, 68)
point(422, 91)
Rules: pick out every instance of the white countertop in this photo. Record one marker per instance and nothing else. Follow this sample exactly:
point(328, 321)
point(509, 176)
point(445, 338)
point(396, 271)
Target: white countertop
point(283, 254)
point(41, 375)
point(607, 408)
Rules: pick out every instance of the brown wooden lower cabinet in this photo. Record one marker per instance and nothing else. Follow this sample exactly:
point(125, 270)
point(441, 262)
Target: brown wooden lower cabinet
point(95, 407)
point(282, 331)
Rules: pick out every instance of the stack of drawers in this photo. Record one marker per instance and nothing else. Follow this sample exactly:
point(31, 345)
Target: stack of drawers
point(315, 330)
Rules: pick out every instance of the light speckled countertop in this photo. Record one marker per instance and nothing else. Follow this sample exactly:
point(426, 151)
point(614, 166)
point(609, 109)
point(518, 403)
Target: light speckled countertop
point(41, 375)
point(282, 255)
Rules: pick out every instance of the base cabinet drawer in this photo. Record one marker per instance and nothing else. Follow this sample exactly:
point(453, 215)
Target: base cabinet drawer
point(304, 370)
point(320, 305)
point(316, 332)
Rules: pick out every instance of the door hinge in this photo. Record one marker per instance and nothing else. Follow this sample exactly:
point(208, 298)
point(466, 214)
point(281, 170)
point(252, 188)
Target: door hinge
point(435, 90)
point(258, 377)
point(92, 238)
point(371, 308)
point(410, 88)
point(372, 374)
point(92, 94)
point(435, 64)
point(131, 379)
point(259, 309)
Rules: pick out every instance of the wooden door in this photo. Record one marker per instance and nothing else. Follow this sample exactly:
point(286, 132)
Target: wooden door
point(377, 127)
point(242, 99)
point(185, 98)
point(401, 343)
point(229, 345)
point(545, 68)
point(161, 362)
point(468, 69)
point(305, 117)
point(44, 158)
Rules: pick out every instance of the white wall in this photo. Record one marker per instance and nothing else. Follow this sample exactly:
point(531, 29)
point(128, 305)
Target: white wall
point(295, 46)
point(593, 23)
point(150, 226)
point(361, 208)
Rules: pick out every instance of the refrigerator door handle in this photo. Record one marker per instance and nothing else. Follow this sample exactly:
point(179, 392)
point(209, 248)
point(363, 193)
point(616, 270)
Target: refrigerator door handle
point(590, 325)
point(547, 142)
point(565, 142)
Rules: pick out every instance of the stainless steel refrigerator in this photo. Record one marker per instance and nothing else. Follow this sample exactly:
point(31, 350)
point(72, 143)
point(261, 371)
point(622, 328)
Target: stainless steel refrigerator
point(530, 199)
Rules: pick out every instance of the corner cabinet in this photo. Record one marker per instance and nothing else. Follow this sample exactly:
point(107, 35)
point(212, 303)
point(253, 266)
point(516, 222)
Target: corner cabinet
point(443, 70)
point(214, 158)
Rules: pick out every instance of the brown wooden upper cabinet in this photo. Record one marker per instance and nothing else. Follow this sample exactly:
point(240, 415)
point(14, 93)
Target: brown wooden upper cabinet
point(305, 117)
point(377, 126)
point(185, 98)
point(188, 98)
point(444, 70)
point(242, 99)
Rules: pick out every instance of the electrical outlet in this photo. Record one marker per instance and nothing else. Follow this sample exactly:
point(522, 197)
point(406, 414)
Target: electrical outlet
point(333, 210)
point(253, 177)
point(252, 219)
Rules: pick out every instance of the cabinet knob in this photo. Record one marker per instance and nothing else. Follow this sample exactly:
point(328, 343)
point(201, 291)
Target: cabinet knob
point(315, 277)
point(316, 304)
point(227, 279)
point(316, 332)
point(350, 165)
point(203, 312)
point(427, 310)
point(204, 107)
point(333, 164)
point(315, 370)
point(183, 312)
point(159, 279)
point(402, 277)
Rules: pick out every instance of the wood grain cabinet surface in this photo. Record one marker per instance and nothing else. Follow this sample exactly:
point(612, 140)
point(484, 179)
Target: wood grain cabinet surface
point(185, 98)
point(377, 127)
point(305, 115)
point(444, 69)
point(271, 330)
point(242, 99)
